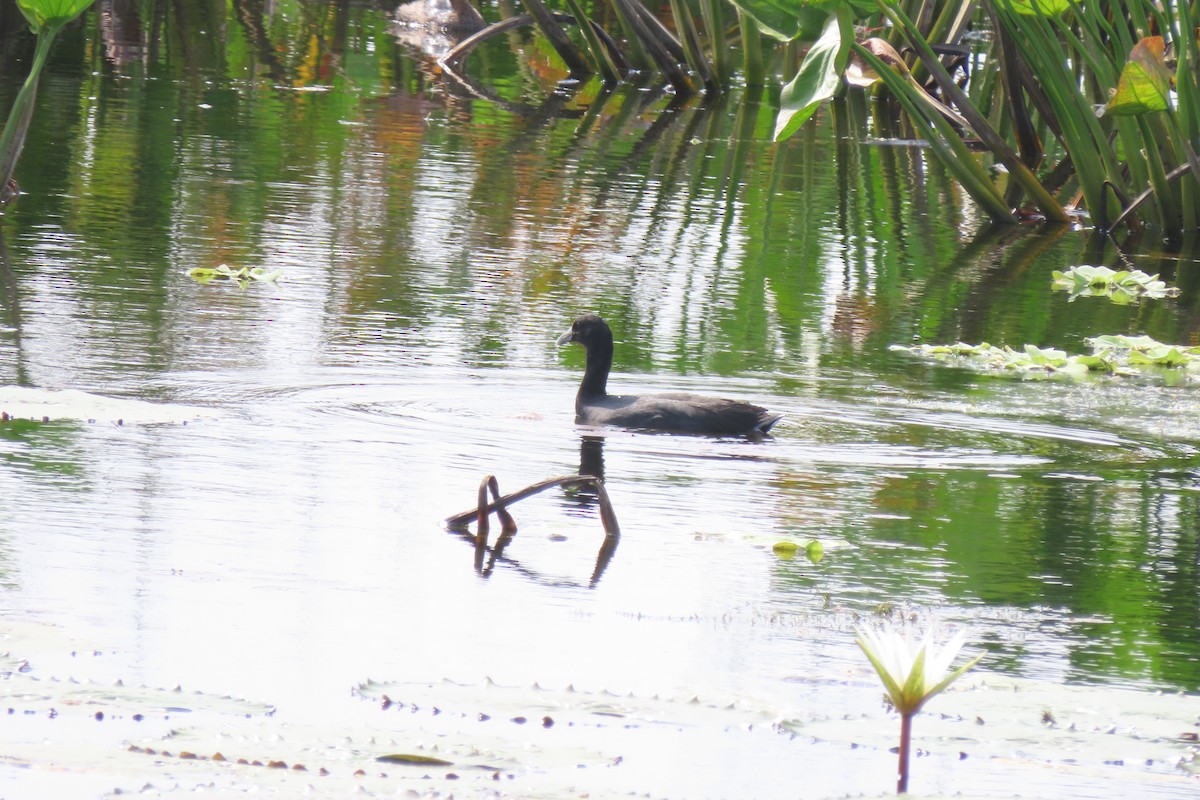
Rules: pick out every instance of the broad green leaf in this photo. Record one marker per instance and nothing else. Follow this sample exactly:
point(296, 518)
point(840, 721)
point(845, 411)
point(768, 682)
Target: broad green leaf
point(1045, 356)
point(51, 14)
point(1139, 91)
point(786, 20)
point(1145, 81)
point(1161, 356)
point(818, 78)
point(1095, 363)
point(1044, 8)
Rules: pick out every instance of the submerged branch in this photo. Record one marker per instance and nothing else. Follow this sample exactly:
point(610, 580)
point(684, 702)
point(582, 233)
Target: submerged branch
point(608, 516)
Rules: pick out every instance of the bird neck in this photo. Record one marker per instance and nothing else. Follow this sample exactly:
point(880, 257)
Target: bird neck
point(595, 375)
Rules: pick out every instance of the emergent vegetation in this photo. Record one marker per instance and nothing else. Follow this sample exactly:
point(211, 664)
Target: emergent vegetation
point(1080, 108)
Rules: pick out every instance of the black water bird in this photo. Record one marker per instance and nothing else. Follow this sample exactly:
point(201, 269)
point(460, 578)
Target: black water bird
point(679, 413)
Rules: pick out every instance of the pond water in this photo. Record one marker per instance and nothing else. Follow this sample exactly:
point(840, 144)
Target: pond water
point(265, 519)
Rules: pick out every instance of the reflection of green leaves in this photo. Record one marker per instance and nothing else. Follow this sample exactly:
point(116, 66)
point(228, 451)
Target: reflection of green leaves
point(244, 276)
point(1115, 354)
point(51, 14)
point(1122, 287)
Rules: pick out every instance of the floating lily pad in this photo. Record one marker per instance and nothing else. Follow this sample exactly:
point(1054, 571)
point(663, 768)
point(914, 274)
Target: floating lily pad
point(244, 275)
point(1120, 286)
point(1114, 355)
point(413, 759)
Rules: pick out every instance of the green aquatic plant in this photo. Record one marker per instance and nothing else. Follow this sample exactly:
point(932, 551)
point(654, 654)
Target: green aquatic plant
point(1111, 354)
point(1079, 107)
point(1145, 351)
point(46, 18)
point(1121, 286)
point(814, 551)
point(1028, 360)
point(912, 671)
point(244, 276)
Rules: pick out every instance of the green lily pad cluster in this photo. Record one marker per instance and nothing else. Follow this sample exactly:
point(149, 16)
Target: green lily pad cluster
point(1143, 351)
point(1121, 286)
point(1115, 354)
point(244, 276)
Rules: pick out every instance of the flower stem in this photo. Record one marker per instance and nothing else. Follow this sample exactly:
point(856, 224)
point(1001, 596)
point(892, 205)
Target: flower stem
point(905, 741)
point(21, 114)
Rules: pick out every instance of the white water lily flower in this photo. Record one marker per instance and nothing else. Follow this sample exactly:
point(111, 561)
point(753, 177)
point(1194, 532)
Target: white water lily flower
point(912, 671)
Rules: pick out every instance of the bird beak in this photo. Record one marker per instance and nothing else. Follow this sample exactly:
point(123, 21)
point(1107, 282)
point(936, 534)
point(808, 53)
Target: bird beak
point(566, 338)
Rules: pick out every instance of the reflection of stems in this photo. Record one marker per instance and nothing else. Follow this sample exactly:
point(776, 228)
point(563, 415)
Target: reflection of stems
point(905, 741)
point(13, 137)
point(251, 14)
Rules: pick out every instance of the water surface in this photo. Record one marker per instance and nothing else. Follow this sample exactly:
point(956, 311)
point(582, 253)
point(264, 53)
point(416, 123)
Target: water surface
point(287, 543)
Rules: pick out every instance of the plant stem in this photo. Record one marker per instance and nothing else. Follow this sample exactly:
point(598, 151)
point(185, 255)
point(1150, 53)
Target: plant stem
point(751, 50)
point(21, 113)
point(905, 742)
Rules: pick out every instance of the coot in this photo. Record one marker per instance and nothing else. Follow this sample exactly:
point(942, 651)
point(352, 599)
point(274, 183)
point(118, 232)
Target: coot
point(681, 413)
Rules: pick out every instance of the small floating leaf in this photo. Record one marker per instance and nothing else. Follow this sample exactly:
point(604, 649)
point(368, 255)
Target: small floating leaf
point(815, 551)
point(785, 549)
point(410, 758)
point(260, 274)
